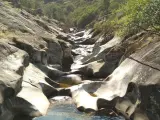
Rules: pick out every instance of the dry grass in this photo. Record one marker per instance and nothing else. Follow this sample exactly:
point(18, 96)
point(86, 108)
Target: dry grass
point(6, 34)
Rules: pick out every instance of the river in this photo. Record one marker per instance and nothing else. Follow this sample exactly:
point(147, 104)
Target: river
point(65, 111)
point(62, 111)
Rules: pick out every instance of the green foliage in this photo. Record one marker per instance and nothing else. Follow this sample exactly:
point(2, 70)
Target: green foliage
point(131, 9)
point(84, 15)
point(131, 16)
point(150, 16)
point(31, 4)
point(53, 10)
point(120, 16)
point(75, 12)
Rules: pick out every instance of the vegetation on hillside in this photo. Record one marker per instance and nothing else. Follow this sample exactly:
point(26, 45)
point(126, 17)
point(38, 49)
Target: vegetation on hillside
point(131, 17)
point(123, 17)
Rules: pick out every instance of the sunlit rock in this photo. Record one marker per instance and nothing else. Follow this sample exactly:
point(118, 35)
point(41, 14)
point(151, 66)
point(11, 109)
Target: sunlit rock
point(13, 62)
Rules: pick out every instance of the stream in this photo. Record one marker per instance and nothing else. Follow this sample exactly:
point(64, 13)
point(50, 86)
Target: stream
point(65, 111)
point(68, 111)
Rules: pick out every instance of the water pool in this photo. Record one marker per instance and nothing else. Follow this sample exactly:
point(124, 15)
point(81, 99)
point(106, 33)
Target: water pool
point(62, 111)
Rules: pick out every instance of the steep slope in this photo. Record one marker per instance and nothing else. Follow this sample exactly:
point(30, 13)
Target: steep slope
point(30, 52)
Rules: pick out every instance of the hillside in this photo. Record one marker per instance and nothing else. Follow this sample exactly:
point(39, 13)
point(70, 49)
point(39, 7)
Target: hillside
point(123, 17)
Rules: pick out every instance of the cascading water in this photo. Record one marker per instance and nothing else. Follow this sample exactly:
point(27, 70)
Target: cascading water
point(68, 111)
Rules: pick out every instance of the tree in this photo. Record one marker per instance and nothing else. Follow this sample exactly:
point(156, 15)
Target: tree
point(106, 5)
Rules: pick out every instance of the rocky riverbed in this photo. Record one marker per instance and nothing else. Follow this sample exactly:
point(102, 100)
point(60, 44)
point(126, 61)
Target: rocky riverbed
point(99, 75)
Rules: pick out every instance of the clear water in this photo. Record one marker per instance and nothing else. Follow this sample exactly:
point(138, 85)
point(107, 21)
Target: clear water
point(69, 112)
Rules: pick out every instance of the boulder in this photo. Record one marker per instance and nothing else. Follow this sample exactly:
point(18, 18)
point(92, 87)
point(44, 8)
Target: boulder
point(13, 62)
point(15, 107)
point(79, 34)
point(98, 69)
point(52, 72)
point(100, 51)
point(33, 46)
point(65, 37)
point(103, 60)
point(43, 50)
point(36, 98)
point(88, 41)
point(70, 80)
point(33, 88)
point(134, 85)
point(67, 59)
point(103, 39)
point(54, 51)
point(84, 37)
point(39, 79)
point(60, 99)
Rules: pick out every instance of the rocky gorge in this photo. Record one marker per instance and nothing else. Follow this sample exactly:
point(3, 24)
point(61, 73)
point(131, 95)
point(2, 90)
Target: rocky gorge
point(100, 74)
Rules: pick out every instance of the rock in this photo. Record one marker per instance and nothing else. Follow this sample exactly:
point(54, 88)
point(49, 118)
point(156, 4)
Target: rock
point(39, 79)
point(48, 51)
point(33, 86)
point(84, 37)
point(54, 52)
point(96, 98)
point(101, 51)
point(29, 33)
point(90, 103)
point(67, 55)
point(1, 4)
point(35, 97)
point(64, 37)
point(79, 34)
point(24, 117)
point(33, 47)
point(106, 112)
point(52, 72)
point(60, 99)
point(142, 69)
point(13, 62)
point(56, 66)
point(99, 69)
point(103, 40)
point(139, 115)
point(88, 41)
point(18, 107)
point(72, 30)
point(102, 62)
point(70, 79)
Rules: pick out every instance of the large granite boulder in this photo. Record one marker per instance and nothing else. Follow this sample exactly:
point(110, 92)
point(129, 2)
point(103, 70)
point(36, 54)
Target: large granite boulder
point(70, 80)
point(46, 50)
point(102, 61)
point(100, 51)
point(13, 62)
point(41, 50)
point(98, 69)
point(134, 86)
point(30, 102)
point(35, 77)
point(67, 59)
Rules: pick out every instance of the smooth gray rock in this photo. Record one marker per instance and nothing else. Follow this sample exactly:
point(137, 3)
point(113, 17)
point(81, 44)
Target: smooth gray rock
point(70, 79)
point(13, 62)
point(36, 78)
point(141, 69)
point(98, 69)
